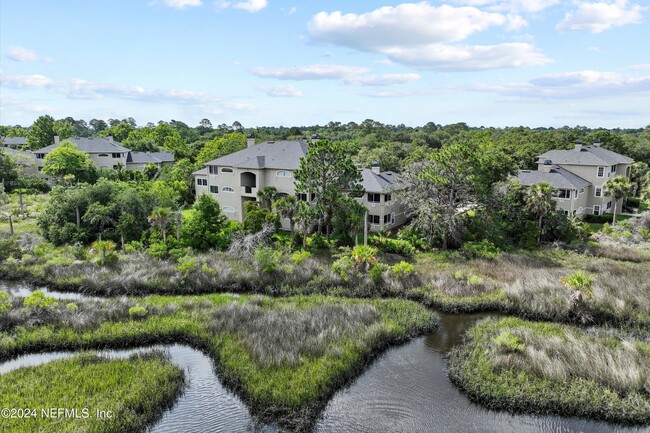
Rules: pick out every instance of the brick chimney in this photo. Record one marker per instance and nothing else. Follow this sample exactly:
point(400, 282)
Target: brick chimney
point(375, 167)
point(250, 140)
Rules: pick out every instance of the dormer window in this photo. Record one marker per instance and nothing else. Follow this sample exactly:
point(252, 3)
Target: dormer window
point(601, 172)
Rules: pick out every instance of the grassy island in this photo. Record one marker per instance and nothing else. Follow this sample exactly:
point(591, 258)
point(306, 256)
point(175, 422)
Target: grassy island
point(101, 394)
point(284, 356)
point(548, 368)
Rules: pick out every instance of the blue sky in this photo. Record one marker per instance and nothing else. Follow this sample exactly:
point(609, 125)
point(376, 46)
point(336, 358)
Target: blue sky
point(273, 62)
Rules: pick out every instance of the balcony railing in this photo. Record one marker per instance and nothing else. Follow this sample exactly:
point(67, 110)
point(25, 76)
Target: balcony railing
point(249, 190)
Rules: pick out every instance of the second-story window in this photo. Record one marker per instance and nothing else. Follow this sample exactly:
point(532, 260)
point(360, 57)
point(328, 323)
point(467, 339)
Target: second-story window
point(213, 169)
point(613, 170)
point(601, 172)
point(227, 189)
point(302, 196)
point(388, 197)
point(226, 170)
point(374, 198)
point(282, 173)
point(103, 155)
point(599, 191)
point(202, 182)
point(564, 193)
point(40, 156)
point(214, 189)
point(373, 219)
point(117, 155)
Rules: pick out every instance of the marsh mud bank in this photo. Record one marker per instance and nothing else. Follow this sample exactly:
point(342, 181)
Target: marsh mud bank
point(405, 389)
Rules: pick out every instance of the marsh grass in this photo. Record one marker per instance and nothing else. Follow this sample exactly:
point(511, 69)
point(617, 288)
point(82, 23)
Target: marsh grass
point(534, 367)
point(137, 390)
point(285, 335)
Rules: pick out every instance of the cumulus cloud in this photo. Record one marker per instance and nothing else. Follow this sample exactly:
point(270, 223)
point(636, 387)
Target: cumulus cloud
point(83, 89)
point(601, 16)
point(425, 36)
point(442, 57)
point(21, 54)
point(513, 6)
point(351, 75)
point(585, 84)
point(251, 6)
point(182, 4)
point(281, 91)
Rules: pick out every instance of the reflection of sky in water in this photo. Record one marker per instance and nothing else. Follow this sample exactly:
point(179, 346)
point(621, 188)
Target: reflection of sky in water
point(405, 390)
point(22, 290)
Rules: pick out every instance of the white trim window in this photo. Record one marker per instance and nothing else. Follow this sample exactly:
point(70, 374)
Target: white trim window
point(373, 219)
point(202, 182)
point(228, 209)
point(563, 193)
point(609, 204)
point(226, 170)
point(596, 209)
point(213, 169)
point(600, 172)
point(374, 197)
point(227, 189)
point(613, 170)
point(283, 173)
point(214, 189)
point(103, 155)
point(598, 192)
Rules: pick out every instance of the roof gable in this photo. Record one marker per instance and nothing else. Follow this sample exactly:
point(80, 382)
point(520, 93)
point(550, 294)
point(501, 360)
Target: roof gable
point(585, 155)
point(284, 155)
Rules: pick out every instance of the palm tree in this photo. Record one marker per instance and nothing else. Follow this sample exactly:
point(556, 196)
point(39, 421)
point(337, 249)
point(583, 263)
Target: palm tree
point(104, 248)
point(99, 215)
point(159, 218)
point(267, 196)
point(287, 207)
point(618, 187)
point(305, 218)
point(539, 200)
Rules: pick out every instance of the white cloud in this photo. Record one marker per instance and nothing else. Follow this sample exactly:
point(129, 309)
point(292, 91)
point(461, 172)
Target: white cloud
point(281, 90)
point(424, 36)
point(406, 24)
point(182, 4)
point(351, 75)
point(513, 6)
point(586, 84)
point(251, 6)
point(310, 72)
point(601, 16)
point(443, 57)
point(20, 54)
point(82, 89)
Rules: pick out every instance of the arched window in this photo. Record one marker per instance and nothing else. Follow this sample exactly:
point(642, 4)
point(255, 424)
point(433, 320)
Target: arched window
point(103, 155)
point(282, 173)
point(227, 189)
point(226, 170)
point(228, 209)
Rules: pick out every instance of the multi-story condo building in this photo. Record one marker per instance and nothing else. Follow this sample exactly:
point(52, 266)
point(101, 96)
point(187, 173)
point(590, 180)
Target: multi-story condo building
point(235, 179)
point(579, 175)
point(108, 153)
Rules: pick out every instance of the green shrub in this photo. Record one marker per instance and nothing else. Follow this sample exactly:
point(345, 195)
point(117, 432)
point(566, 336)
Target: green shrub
point(38, 300)
point(4, 304)
point(474, 280)
point(403, 269)
point(71, 306)
point(509, 343)
point(364, 255)
point(458, 275)
point(158, 250)
point(297, 257)
point(344, 267)
point(8, 248)
point(633, 201)
point(376, 273)
point(136, 312)
point(267, 259)
point(396, 246)
point(480, 250)
point(318, 242)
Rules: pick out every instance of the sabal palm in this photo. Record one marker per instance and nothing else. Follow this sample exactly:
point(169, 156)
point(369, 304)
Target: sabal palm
point(267, 196)
point(287, 207)
point(539, 200)
point(159, 218)
point(618, 187)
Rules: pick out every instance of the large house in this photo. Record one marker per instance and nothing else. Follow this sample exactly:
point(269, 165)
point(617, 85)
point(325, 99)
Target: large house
point(578, 176)
point(235, 179)
point(108, 153)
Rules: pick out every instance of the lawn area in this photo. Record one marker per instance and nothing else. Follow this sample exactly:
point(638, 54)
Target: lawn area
point(533, 367)
point(131, 393)
point(284, 356)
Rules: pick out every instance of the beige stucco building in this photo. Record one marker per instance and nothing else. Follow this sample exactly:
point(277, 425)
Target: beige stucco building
point(236, 178)
point(579, 176)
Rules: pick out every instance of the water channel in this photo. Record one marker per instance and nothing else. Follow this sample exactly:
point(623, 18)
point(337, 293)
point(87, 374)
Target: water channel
point(404, 390)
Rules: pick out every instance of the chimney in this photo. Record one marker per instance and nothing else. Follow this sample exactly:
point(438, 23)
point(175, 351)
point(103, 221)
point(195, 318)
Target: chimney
point(596, 142)
point(578, 146)
point(250, 140)
point(375, 167)
point(57, 140)
point(547, 167)
point(110, 138)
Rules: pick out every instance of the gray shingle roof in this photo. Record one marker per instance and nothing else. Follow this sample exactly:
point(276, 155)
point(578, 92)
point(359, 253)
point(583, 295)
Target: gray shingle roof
point(558, 178)
point(587, 155)
point(149, 157)
point(90, 145)
point(271, 154)
point(15, 141)
point(202, 172)
point(383, 182)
